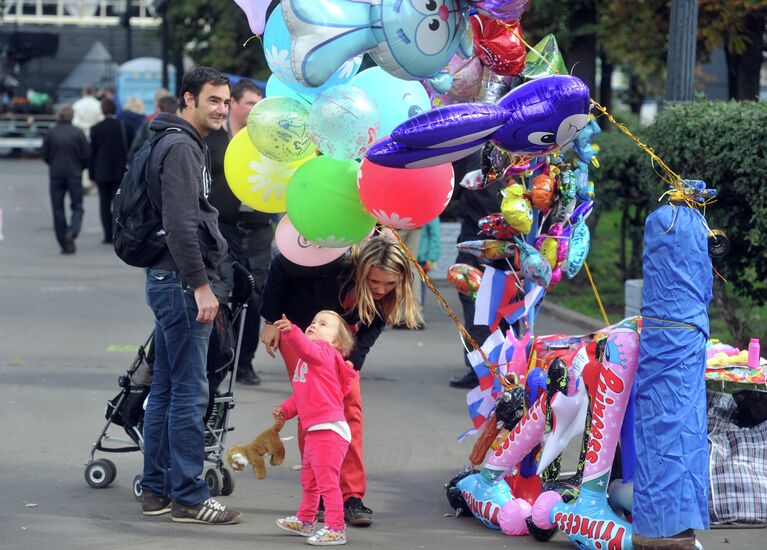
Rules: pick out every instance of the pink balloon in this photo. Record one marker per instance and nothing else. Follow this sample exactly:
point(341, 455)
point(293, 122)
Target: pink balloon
point(513, 516)
point(255, 10)
point(405, 198)
point(300, 251)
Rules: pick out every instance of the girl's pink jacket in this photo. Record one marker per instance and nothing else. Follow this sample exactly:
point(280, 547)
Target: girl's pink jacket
point(320, 378)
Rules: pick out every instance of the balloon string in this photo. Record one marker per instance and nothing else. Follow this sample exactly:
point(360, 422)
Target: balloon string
point(447, 309)
point(596, 294)
point(673, 178)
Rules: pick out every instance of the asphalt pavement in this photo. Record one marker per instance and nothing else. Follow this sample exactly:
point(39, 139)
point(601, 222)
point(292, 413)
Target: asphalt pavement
point(70, 325)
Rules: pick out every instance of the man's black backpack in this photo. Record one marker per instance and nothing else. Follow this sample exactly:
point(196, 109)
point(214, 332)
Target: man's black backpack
point(137, 232)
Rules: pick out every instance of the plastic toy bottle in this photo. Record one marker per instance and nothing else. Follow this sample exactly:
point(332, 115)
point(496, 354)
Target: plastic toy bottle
point(753, 354)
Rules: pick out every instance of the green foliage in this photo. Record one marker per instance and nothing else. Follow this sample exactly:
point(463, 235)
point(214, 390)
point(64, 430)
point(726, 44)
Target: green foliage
point(720, 143)
point(212, 32)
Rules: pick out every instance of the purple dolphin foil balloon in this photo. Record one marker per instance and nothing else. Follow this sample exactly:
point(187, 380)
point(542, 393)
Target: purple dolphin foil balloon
point(503, 10)
point(533, 119)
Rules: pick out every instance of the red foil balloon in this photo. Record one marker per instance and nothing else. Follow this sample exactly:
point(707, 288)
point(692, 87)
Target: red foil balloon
point(498, 45)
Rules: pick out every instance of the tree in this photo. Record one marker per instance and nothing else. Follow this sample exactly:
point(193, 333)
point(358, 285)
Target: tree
point(212, 32)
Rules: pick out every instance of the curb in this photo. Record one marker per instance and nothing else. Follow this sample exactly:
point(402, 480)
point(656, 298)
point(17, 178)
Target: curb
point(563, 314)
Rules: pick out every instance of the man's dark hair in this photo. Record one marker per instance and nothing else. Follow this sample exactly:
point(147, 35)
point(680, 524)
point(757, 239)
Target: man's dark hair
point(245, 85)
point(65, 114)
point(195, 79)
point(108, 107)
point(168, 104)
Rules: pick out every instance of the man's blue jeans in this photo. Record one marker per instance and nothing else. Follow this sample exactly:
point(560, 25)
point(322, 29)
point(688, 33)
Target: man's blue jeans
point(174, 431)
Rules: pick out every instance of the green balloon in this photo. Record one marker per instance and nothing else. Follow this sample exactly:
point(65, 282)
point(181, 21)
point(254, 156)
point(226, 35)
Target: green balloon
point(279, 128)
point(544, 59)
point(324, 203)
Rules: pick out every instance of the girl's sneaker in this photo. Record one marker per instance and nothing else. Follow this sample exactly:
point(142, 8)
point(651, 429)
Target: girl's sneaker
point(292, 524)
point(327, 537)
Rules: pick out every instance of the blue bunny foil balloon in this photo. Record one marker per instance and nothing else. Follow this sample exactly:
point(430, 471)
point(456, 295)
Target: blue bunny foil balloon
point(534, 266)
point(410, 39)
point(533, 119)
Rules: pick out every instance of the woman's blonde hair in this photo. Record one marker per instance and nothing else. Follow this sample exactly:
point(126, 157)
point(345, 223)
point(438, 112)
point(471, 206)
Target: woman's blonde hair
point(345, 337)
point(399, 304)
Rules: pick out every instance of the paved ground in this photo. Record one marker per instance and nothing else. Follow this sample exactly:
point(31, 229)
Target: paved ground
point(69, 325)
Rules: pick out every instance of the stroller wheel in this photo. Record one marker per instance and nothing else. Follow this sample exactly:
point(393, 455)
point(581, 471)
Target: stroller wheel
point(227, 487)
point(100, 473)
point(138, 490)
point(214, 480)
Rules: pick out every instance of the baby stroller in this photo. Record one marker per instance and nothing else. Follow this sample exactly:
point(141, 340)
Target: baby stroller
point(127, 408)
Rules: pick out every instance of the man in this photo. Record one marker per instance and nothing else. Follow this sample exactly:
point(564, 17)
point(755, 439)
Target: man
point(66, 151)
point(247, 232)
point(87, 111)
point(178, 291)
point(109, 149)
point(166, 104)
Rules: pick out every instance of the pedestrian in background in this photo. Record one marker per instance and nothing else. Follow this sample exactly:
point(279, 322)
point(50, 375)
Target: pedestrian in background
point(109, 152)
point(66, 152)
point(429, 251)
point(87, 111)
point(178, 290)
point(132, 116)
point(247, 232)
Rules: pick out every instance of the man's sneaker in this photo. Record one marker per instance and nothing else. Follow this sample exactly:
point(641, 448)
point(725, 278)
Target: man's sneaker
point(327, 537)
point(153, 505)
point(292, 524)
point(210, 512)
point(356, 513)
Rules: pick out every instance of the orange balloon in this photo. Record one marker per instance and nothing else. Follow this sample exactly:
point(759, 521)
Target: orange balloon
point(542, 192)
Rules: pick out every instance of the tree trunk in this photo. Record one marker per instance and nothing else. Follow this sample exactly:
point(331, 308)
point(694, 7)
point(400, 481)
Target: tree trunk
point(622, 240)
point(582, 53)
point(743, 70)
point(606, 88)
point(635, 96)
point(729, 312)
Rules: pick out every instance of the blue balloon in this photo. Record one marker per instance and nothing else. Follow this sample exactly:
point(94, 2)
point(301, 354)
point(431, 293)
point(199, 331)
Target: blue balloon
point(276, 87)
point(578, 249)
point(397, 99)
point(277, 51)
point(484, 498)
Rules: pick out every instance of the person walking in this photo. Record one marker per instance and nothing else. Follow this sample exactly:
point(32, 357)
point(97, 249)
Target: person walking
point(247, 232)
point(66, 152)
point(109, 153)
point(370, 288)
point(320, 378)
point(179, 293)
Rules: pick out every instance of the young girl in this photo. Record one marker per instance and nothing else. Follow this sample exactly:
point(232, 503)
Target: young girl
point(320, 378)
point(371, 288)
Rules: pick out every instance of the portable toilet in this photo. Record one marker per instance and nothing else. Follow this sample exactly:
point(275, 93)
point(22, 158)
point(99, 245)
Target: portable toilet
point(142, 77)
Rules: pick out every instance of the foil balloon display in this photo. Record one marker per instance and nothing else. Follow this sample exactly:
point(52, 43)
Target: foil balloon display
point(405, 199)
point(578, 248)
point(568, 187)
point(278, 56)
point(503, 10)
point(498, 45)
point(279, 128)
point(410, 39)
point(548, 249)
point(544, 59)
point(495, 227)
point(534, 266)
point(397, 99)
point(276, 87)
point(473, 181)
point(516, 208)
point(344, 122)
point(322, 186)
point(542, 192)
point(465, 278)
point(255, 11)
point(533, 119)
point(584, 149)
point(467, 77)
point(584, 189)
point(488, 249)
point(254, 178)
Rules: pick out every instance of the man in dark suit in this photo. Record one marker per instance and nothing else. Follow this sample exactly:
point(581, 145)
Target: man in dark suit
point(109, 145)
point(65, 150)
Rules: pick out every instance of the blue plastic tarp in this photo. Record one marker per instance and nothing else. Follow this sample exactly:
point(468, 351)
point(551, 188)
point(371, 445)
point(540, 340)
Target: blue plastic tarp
point(670, 430)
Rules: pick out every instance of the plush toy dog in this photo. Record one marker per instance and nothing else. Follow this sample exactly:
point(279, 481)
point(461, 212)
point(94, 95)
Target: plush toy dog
point(267, 442)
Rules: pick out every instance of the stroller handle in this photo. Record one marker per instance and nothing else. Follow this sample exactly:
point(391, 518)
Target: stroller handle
point(246, 275)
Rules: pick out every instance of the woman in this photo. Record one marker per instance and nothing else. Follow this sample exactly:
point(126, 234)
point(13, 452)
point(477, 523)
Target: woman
point(372, 287)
